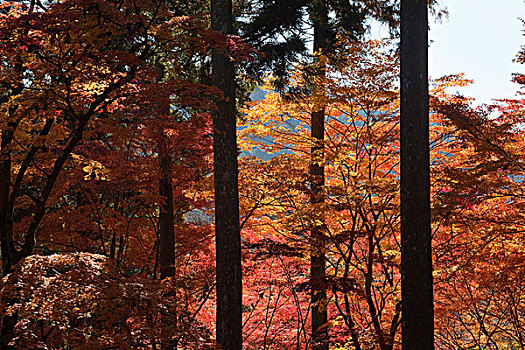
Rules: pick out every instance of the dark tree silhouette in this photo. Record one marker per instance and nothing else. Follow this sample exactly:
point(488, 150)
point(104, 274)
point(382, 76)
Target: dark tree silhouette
point(227, 230)
point(416, 258)
point(318, 258)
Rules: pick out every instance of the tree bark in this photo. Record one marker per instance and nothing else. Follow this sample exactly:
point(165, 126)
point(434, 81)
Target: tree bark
point(416, 258)
point(320, 339)
point(166, 234)
point(166, 217)
point(227, 229)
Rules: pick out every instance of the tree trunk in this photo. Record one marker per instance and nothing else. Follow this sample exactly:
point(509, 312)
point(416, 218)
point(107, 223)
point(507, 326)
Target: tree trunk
point(166, 217)
point(317, 257)
point(227, 230)
point(166, 235)
point(416, 258)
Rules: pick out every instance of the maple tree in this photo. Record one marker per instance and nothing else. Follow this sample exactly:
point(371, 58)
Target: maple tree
point(479, 255)
point(77, 134)
point(58, 49)
point(478, 244)
point(79, 300)
point(328, 20)
point(362, 208)
point(360, 122)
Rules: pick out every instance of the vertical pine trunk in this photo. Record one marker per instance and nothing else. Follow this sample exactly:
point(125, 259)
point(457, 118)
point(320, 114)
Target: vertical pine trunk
point(166, 238)
point(416, 258)
point(318, 258)
point(166, 218)
point(227, 230)
point(166, 229)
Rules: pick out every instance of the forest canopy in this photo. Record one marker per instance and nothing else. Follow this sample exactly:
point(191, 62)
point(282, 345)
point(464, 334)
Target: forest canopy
point(117, 120)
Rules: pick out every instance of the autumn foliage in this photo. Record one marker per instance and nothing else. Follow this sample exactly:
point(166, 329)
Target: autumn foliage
point(88, 89)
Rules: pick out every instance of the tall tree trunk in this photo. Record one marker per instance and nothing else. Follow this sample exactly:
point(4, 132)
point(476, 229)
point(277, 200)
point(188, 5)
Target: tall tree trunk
point(416, 258)
point(317, 257)
point(227, 230)
point(166, 217)
point(166, 235)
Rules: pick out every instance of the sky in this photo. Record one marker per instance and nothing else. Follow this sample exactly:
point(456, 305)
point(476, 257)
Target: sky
point(479, 38)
